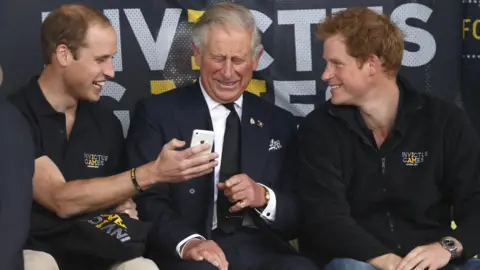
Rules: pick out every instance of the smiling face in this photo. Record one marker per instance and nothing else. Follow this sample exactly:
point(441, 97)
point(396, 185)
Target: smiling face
point(86, 75)
point(226, 62)
point(349, 80)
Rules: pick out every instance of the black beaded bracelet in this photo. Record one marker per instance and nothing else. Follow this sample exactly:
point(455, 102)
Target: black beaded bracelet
point(134, 180)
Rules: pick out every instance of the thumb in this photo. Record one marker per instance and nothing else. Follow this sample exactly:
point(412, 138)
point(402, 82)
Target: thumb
point(174, 144)
point(221, 186)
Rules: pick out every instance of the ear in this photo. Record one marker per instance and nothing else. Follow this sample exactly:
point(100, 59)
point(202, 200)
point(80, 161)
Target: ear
point(256, 58)
point(196, 55)
point(63, 55)
point(373, 64)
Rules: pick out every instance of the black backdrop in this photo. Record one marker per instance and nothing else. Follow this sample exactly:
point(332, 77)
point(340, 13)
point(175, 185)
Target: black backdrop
point(155, 48)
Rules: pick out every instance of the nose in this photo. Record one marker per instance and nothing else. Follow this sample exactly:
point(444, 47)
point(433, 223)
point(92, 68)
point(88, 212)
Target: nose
point(227, 68)
point(107, 69)
point(328, 73)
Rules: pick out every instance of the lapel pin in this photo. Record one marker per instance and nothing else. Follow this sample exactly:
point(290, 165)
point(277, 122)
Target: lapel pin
point(252, 121)
point(259, 123)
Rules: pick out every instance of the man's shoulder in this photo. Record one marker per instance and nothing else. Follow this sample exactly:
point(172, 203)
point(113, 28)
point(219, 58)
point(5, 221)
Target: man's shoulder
point(10, 114)
point(268, 107)
point(439, 110)
point(436, 103)
point(6, 107)
point(322, 114)
point(19, 99)
point(167, 99)
point(15, 127)
point(432, 106)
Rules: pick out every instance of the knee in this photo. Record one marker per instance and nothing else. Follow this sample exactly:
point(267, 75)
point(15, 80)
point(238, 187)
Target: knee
point(137, 263)
point(472, 264)
point(287, 262)
point(346, 264)
point(38, 260)
point(202, 265)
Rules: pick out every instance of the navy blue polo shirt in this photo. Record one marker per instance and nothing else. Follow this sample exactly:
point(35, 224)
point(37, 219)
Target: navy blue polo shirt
point(93, 149)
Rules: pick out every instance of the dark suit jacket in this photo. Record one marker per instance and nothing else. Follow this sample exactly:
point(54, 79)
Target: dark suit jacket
point(180, 210)
point(16, 167)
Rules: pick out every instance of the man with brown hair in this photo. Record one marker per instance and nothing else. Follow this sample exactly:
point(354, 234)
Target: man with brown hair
point(79, 146)
point(382, 165)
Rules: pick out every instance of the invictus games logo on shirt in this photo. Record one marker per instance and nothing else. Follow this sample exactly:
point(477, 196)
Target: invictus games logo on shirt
point(94, 161)
point(112, 224)
point(413, 158)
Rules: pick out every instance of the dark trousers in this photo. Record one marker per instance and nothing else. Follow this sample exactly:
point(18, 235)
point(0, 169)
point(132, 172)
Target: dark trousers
point(246, 249)
point(347, 264)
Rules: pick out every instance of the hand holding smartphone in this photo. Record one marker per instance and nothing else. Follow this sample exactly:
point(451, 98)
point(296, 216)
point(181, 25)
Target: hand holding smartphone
point(200, 136)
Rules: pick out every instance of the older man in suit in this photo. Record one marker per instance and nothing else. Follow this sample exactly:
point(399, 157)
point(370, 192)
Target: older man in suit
point(240, 215)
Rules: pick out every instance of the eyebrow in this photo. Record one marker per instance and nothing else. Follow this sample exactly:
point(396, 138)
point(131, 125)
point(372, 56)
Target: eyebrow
point(232, 56)
point(105, 56)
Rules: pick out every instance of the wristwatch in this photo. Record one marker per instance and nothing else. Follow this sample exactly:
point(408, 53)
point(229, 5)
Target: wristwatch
point(450, 245)
point(267, 199)
point(267, 195)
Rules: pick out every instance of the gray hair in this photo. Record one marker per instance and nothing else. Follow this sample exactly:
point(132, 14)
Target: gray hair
point(224, 14)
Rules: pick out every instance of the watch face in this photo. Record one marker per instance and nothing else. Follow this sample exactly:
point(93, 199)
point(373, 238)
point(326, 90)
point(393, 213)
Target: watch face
point(449, 243)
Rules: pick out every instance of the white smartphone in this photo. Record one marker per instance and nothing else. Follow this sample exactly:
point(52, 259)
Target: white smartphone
point(200, 136)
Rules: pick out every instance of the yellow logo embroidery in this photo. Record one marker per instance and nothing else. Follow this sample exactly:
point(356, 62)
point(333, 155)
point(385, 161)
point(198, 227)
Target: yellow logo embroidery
point(414, 158)
point(94, 160)
point(112, 224)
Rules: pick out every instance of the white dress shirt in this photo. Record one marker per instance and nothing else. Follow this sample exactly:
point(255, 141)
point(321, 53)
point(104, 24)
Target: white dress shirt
point(219, 114)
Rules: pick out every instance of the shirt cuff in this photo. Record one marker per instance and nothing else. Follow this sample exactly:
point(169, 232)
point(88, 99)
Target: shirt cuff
point(268, 214)
point(182, 243)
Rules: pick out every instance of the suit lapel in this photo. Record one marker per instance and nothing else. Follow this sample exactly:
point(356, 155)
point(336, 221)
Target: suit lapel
point(255, 137)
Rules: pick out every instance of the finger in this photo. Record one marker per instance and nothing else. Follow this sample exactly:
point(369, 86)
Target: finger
point(192, 151)
point(221, 186)
point(174, 144)
point(131, 213)
point(238, 206)
point(234, 180)
point(220, 263)
point(130, 204)
point(239, 196)
point(211, 257)
point(119, 209)
point(423, 265)
point(220, 258)
point(195, 254)
point(241, 186)
point(198, 171)
point(412, 264)
point(412, 254)
point(223, 262)
point(199, 160)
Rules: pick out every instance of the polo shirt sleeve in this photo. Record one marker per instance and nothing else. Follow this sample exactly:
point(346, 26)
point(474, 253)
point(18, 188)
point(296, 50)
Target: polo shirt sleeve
point(38, 151)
